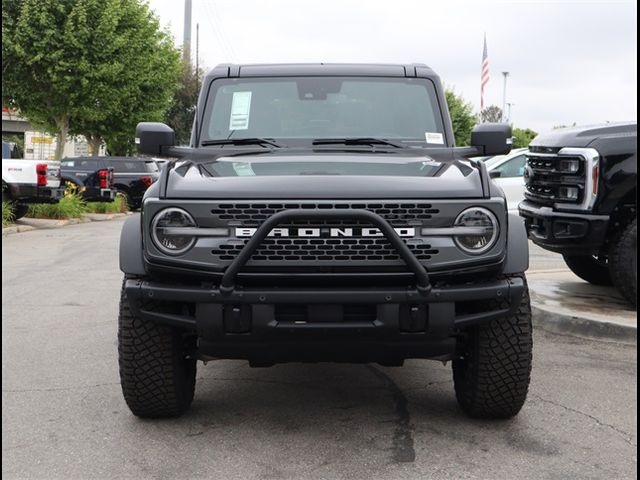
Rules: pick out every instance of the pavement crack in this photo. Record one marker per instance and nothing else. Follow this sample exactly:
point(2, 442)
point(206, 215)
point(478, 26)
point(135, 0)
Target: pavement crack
point(626, 436)
point(403, 451)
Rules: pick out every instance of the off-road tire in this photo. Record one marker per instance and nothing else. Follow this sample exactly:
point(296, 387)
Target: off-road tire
point(157, 380)
point(127, 199)
point(623, 262)
point(19, 210)
point(589, 269)
point(492, 378)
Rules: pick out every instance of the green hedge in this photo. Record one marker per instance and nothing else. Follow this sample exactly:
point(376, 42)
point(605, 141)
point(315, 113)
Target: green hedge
point(73, 206)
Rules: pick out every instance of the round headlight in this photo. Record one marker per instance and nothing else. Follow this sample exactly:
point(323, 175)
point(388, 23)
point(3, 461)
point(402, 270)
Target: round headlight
point(483, 230)
point(166, 234)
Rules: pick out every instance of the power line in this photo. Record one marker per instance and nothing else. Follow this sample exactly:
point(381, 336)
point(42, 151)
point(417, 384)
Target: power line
point(224, 45)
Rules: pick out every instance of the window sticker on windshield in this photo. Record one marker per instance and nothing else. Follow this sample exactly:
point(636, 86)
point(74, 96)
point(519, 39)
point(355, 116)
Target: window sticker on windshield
point(243, 169)
point(240, 108)
point(434, 138)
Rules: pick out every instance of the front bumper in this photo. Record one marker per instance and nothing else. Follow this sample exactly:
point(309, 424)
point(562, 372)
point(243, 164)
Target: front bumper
point(97, 194)
point(24, 193)
point(269, 325)
point(577, 233)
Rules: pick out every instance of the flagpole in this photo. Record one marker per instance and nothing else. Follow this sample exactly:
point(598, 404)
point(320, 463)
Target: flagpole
point(484, 73)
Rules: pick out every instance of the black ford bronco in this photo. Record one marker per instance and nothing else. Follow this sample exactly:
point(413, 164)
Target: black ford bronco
point(581, 201)
point(323, 213)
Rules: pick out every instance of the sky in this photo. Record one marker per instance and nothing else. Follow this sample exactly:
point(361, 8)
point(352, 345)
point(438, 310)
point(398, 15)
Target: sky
point(568, 61)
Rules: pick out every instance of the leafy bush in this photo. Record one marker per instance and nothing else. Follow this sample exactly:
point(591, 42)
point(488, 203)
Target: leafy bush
point(73, 206)
point(119, 205)
point(69, 206)
point(7, 214)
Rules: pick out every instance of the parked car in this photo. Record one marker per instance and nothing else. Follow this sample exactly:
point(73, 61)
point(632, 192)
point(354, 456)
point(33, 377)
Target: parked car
point(581, 188)
point(29, 181)
point(132, 175)
point(354, 246)
point(507, 171)
point(96, 184)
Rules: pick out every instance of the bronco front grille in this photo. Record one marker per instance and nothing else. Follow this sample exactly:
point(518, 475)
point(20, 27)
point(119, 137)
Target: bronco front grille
point(351, 251)
point(343, 250)
point(252, 214)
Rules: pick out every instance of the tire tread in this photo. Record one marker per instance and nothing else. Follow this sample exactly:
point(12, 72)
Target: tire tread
point(156, 379)
point(492, 380)
point(621, 266)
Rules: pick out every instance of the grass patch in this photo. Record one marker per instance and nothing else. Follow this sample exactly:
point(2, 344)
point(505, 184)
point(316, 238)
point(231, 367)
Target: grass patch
point(119, 205)
point(7, 214)
point(69, 206)
point(73, 206)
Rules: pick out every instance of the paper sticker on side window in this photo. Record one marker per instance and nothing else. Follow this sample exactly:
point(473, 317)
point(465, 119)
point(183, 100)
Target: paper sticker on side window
point(240, 108)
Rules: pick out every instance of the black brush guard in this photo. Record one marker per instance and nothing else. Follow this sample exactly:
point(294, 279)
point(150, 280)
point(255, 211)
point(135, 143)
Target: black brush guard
point(236, 322)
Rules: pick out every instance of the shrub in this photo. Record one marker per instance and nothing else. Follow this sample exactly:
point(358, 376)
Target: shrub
point(119, 205)
point(69, 206)
point(7, 214)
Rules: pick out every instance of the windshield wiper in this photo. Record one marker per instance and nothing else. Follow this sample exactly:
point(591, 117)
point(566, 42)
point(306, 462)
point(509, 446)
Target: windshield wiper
point(355, 141)
point(241, 141)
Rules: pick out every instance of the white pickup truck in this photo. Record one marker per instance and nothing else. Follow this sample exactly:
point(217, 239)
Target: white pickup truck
point(29, 181)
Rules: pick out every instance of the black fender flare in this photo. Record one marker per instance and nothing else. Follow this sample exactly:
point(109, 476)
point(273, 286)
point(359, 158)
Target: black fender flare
point(517, 260)
point(131, 247)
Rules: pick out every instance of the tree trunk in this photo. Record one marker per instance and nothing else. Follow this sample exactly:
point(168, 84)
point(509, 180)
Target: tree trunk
point(61, 137)
point(95, 142)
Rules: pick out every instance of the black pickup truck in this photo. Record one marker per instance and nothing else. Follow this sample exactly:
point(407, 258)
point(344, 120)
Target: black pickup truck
point(94, 182)
point(581, 187)
point(131, 175)
point(323, 213)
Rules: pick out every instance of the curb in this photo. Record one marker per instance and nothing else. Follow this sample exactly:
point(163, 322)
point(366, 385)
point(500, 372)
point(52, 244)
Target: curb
point(88, 218)
point(556, 322)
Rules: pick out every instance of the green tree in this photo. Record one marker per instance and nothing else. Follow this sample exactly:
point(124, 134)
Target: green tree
point(492, 114)
point(179, 115)
point(522, 137)
point(462, 117)
point(90, 67)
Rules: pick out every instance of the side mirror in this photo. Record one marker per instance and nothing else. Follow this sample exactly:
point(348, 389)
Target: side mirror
point(492, 138)
point(153, 137)
point(495, 174)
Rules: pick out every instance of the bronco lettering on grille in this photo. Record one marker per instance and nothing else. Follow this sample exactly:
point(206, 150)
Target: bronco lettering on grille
point(324, 232)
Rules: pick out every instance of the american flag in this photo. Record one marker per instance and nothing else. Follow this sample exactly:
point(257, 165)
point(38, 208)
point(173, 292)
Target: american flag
point(484, 75)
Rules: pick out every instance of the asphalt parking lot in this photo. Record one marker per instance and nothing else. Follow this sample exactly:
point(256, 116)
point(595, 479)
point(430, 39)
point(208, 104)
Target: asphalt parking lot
point(64, 416)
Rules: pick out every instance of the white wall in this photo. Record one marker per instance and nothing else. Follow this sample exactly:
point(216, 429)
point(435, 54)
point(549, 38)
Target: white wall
point(42, 146)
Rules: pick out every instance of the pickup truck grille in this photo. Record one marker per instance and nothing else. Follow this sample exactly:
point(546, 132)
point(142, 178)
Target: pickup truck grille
point(563, 178)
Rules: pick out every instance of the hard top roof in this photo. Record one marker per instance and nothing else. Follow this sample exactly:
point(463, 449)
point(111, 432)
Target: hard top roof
point(319, 69)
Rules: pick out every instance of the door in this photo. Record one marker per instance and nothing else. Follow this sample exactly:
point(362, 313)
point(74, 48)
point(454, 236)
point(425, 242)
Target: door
point(511, 180)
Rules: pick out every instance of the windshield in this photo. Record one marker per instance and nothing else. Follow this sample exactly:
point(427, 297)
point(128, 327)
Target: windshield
point(298, 110)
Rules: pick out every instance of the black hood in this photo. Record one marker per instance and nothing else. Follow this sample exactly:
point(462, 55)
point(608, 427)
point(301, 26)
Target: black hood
point(581, 137)
point(337, 175)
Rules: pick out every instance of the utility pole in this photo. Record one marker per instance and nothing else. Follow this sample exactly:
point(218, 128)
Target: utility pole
point(186, 40)
point(504, 95)
point(509, 105)
point(197, 57)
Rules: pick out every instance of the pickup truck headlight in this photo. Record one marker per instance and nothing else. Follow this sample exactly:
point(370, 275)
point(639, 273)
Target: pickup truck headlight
point(486, 225)
point(166, 231)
